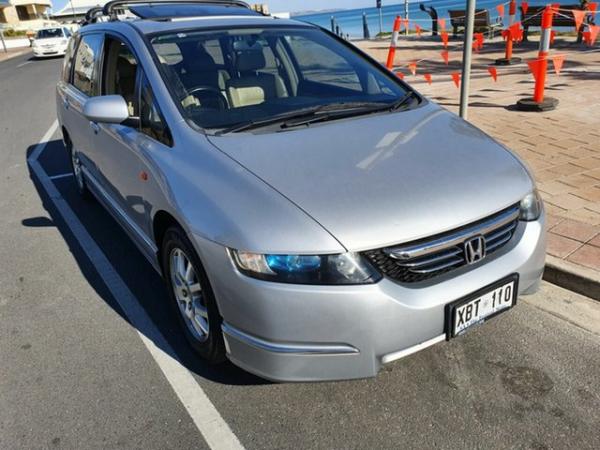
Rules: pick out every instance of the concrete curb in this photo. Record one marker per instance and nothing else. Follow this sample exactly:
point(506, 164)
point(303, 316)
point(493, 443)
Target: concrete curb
point(10, 55)
point(573, 277)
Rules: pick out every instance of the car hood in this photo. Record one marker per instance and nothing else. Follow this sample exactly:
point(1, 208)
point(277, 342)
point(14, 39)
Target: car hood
point(386, 179)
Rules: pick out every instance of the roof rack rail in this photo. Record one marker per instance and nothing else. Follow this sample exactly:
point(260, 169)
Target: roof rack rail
point(91, 16)
point(110, 8)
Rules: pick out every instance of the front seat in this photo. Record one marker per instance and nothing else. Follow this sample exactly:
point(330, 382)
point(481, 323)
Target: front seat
point(200, 69)
point(125, 83)
point(253, 87)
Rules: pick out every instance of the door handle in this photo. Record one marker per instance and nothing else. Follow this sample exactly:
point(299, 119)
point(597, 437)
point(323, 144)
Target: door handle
point(94, 126)
point(66, 103)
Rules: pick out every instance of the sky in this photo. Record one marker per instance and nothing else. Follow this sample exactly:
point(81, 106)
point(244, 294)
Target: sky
point(282, 5)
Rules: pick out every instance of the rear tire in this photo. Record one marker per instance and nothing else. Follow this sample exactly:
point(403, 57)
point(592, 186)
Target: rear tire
point(80, 182)
point(192, 297)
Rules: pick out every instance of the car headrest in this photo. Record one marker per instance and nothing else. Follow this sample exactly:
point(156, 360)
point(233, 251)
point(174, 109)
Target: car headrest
point(250, 60)
point(201, 60)
point(125, 68)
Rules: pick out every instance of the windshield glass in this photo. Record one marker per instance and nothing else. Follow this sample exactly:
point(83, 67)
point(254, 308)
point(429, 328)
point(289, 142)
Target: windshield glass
point(49, 33)
point(227, 77)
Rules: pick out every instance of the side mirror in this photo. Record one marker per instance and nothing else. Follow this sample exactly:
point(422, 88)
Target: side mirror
point(106, 109)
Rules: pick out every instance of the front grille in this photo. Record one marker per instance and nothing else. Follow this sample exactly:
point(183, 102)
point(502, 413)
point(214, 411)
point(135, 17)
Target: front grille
point(427, 258)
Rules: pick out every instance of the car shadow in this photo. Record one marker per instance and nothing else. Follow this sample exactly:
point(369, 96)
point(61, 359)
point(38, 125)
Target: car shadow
point(139, 276)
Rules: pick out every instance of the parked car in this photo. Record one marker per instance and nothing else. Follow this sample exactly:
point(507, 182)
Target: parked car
point(50, 42)
point(313, 216)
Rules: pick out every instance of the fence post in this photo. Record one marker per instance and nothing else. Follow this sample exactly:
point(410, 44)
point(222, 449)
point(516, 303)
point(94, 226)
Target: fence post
point(366, 33)
point(406, 16)
point(394, 43)
point(538, 102)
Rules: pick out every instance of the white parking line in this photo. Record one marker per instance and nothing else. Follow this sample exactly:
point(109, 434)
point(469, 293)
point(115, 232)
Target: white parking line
point(62, 175)
point(24, 64)
point(207, 419)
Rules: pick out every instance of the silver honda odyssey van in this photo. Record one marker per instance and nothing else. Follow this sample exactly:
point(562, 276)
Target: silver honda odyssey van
point(313, 216)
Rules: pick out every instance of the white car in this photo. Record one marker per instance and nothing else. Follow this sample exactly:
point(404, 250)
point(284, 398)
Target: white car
point(51, 42)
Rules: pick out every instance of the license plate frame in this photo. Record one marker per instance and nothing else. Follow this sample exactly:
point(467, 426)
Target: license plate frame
point(450, 310)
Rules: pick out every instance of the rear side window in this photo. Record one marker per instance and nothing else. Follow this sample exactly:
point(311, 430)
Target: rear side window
point(68, 61)
point(86, 64)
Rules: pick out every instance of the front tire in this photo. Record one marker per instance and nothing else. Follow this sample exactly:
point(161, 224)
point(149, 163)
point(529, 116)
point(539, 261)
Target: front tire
point(192, 296)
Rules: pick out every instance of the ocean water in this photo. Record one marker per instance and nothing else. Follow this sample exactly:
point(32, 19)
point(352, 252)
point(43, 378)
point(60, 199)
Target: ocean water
point(350, 20)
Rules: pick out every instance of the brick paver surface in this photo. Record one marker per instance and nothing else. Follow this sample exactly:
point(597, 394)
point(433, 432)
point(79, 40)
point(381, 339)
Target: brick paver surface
point(562, 147)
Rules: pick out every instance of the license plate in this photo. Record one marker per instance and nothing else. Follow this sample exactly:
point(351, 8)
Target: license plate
point(481, 306)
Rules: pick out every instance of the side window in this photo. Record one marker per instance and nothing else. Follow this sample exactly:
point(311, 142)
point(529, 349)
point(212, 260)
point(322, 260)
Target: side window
point(120, 73)
point(86, 64)
point(152, 122)
point(68, 61)
point(322, 65)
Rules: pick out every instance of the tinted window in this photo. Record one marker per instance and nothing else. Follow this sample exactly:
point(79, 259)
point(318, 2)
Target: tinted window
point(231, 76)
point(68, 61)
point(49, 33)
point(152, 122)
point(86, 64)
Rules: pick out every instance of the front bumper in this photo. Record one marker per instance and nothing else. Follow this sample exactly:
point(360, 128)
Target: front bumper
point(288, 332)
point(42, 52)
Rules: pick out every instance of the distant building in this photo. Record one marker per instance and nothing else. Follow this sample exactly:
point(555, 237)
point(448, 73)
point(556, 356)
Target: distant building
point(74, 10)
point(25, 14)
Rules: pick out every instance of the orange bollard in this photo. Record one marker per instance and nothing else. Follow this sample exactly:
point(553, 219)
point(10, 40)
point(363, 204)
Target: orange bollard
point(510, 37)
point(540, 83)
point(394, 43)
point(540, 68)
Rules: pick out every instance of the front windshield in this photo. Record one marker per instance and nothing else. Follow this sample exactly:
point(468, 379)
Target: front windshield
point(49, 33)
point(227, 77)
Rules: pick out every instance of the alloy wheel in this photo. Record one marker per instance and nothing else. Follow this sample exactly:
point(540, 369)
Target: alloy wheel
point(188, 294)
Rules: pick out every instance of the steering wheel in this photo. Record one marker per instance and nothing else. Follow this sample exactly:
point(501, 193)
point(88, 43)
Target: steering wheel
point(209, 97)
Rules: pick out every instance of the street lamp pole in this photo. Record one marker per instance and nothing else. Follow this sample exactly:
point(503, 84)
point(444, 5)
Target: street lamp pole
point(2, 39)
point(466, 63)
point(72, 9)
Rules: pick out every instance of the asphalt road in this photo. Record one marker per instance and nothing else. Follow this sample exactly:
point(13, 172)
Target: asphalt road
point(76, 371)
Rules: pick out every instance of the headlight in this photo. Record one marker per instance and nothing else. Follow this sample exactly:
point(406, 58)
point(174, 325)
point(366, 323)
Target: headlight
point(347, 268)
point(531, 207)
point(63, 42)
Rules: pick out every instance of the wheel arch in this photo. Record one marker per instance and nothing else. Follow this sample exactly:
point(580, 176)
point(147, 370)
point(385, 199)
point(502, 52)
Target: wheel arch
point(162, 221)
point(66, 136)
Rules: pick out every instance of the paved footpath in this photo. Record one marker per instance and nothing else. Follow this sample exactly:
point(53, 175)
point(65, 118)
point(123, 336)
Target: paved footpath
point(79, 370)
point(562, 147)
point(13, 53)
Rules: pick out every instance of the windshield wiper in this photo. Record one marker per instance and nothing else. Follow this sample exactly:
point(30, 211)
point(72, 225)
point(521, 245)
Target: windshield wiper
point(317, 113)
point(251, 124)
point(339, 110)
point(402, 101)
